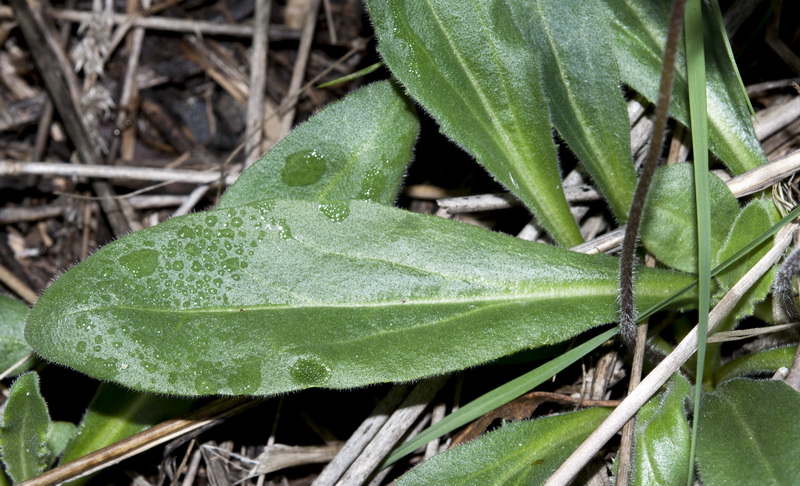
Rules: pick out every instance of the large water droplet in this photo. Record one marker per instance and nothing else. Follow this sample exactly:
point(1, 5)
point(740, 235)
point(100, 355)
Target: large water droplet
point(303, 168)
point(186, 232)
point(335, 211)
point(309, 371)
point(140, 263)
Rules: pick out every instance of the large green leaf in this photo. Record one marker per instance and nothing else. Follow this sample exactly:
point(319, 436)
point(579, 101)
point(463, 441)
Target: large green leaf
point(23, 432)
point(661, 455)
point(749, 434)
point(581, 81)
point(669, 223)
point(640, 31)
point(12, 342)
point(521, 453)
point(469, 67)
point(285, 295)
point(356, 148)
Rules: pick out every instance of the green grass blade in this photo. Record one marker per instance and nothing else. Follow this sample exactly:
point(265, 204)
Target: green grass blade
point(696, 74)
point(358, 74)
point(499, 396)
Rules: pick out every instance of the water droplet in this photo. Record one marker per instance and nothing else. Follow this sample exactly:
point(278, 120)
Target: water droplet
point(197, 266)
point(231, 264)
point(211, 220)
point(98, 339)
point(309, 371)
point(116, 344)
point(80, 346)
point(372, 184)
point(204, 386)
point(237, 222)
point(303, 168)
point(186, 232)
point(335, 211)
point(140, 263)
point(177, 265)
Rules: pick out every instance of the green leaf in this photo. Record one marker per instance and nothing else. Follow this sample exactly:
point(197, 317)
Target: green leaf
point(116, 413)
point(640, 30)
point(749, 434)
point(285, 295)
point(669, 224)
point(759, 363)
point(12, 342)
point(520, 453)
point(23, 432)
point(470, 68)
point(661, 455)
point(356, 148)
point(58, 436)
point(581, 82)
point(754, 219)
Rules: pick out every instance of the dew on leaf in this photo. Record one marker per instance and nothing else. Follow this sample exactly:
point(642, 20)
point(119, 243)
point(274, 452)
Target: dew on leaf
point(211, 220)
point(80, 346)
point(303, 168)
point(140, 263)
point(309, 371)
point(336, 212)
point(192, 249)
point(237, 222)
point(186, 232)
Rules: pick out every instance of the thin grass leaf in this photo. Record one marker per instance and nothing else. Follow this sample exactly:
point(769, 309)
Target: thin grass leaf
point(696, 73)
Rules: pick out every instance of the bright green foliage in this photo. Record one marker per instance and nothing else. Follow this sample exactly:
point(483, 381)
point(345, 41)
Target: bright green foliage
point(661, 452)
point(23, 433)
point(581, 82)
point(759, 363)
point(640, 30)
point(285, 295)
point(470, 68)
point(669, 229)
point(754, 219)
point(12, 342)
point(749, 434)
point(356, 148)
point(116, 413)
point(520, 453)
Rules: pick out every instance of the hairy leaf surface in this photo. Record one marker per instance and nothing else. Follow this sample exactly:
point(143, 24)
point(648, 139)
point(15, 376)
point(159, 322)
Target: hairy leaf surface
point(356, 148)
point(661, 452)
point(12, 341)
point(469, 67)
point(23, 431)
point(519, 454)
point(669, 223)
point(285, 295)
point(640, 34)
point(749, 435)
point(581, 81)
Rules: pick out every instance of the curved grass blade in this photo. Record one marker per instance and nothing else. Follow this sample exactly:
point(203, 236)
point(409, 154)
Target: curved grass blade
point(286, 295)
point(499, 396)
point(581, 81)
point(470, 68)
point(356, 148)
point(698, 111)
point(640, 31)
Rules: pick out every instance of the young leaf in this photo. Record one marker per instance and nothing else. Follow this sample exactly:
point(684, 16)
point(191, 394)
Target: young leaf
point(520, 453)
point(640, 33)
point(116, 413)
point(748, 434)
point(12, 325)
point(285, 295)
point(356, 148)
point(581, 82)
point(470, 68)
point(58, 436)
point(23, 432)
point(669, 223)
point(760, 363)
point(754, 219)
point(661, 455)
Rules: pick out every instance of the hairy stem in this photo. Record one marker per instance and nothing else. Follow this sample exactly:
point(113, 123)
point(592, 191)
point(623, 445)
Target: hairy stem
point(627, 319)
